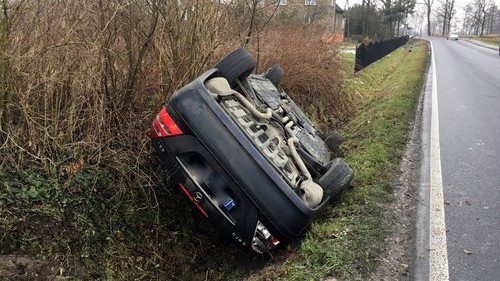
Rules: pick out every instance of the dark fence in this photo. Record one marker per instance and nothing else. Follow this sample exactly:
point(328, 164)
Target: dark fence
point(367, 54)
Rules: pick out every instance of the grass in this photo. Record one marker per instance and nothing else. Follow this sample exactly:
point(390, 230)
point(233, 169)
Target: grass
point(348, 45)
point(491, 39)
point(73, 224)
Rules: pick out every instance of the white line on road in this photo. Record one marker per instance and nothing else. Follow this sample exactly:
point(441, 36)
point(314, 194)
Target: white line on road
point(438, 257)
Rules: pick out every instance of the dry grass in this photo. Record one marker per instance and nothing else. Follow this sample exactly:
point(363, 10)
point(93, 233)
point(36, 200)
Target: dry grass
point(83, 75)
point(84, 79)
point(313, 72)
point(493, 39)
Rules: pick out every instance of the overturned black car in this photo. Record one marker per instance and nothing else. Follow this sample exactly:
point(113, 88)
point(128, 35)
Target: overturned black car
point(245, 154)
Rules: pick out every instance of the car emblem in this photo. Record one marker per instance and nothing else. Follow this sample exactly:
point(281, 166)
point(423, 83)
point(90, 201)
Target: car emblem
point(197, 196)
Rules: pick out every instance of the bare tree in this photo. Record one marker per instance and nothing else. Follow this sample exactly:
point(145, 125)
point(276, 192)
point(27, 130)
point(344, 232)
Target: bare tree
point(403, 9)
point(446, 11)
point(496, 22)
point(365, 8)
point(469, 22)
point(479, 16)
point(428, 5)
point(418, 21)
point(452, 11)
point(490, 17)
point(136, 57)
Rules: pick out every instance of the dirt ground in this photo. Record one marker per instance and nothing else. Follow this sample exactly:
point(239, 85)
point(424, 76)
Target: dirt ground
point(15, 267)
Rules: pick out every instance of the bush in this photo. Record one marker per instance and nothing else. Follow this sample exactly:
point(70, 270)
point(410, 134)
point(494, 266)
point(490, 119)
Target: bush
point(313, 72)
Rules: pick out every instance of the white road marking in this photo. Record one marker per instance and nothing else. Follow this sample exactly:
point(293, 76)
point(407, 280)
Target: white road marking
point(438, 257)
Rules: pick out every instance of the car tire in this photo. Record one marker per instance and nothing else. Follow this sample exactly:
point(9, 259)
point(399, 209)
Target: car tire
point(333, 141)
point(274, 74)
point(235, 65)
point(337, 178)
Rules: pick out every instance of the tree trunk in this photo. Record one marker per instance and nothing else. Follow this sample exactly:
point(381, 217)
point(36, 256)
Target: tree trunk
point(445, 17)
point(428, 20)
point(449, 23)
point(444, 25)
point(492, 19)
point(252, 20)
point(452, 6)
point(482, 28)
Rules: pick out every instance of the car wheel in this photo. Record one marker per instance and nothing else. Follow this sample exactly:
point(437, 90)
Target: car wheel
point(333, 140)
point(274, 74)
point(337, 178)
point(235, 65)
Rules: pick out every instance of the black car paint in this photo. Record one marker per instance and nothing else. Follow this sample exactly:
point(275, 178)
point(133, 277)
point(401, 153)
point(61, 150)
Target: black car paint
point(259, 190)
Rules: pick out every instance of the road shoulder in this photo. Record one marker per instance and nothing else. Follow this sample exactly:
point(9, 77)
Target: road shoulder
point(482, 44)
point(396, 260)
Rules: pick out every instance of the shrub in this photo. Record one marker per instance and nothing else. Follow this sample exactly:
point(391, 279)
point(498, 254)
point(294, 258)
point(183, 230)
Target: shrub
point(313, 71)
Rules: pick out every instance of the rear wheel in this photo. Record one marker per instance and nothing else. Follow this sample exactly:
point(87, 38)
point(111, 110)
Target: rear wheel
point(275, 74)
point(337, 178)
point(235, 65)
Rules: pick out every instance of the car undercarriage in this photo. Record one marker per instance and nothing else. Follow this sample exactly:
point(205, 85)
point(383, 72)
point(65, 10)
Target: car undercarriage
point(246, 155)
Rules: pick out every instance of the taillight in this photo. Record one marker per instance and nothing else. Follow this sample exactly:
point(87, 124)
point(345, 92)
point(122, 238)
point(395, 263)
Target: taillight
point(164, 126)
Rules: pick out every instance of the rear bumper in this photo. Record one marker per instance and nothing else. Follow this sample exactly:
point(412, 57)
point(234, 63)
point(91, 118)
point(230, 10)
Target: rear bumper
point(229, 179)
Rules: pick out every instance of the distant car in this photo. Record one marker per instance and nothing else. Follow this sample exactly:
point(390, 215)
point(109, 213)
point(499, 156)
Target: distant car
point(452, 36)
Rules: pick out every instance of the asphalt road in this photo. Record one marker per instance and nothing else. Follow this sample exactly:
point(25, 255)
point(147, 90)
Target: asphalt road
point(467, 82)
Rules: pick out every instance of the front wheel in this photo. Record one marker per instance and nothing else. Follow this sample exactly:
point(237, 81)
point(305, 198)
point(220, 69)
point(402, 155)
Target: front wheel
point(235, 65)
point(337, 178)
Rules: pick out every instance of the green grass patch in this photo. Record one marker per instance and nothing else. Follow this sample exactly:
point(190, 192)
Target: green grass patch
point(489, 40)
point(78, 220)
point(492, 39)
point(348, 45)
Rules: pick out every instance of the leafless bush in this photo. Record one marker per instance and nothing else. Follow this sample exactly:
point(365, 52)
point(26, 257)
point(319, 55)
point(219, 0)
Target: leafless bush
point(84, 73)
point(312, 71)
point(84, 78)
